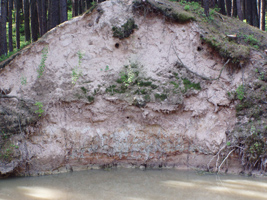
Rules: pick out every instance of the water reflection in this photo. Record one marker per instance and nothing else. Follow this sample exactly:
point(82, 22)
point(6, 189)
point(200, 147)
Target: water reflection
point(41, 192)
point(133, 185)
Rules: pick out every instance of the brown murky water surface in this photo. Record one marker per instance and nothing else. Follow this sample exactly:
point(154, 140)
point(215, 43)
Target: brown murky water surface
point(133, 184)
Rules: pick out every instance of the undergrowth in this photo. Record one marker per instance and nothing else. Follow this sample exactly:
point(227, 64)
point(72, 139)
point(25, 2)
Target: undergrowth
point(41, 67)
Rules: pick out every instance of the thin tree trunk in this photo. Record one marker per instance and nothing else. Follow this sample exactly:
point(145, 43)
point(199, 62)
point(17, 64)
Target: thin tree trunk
point(49, 14)
point(74, 8)
point(244, 9)
point(17, 4)
point(222, 6)
point(34, 21)
point(10, 38)
point(54, 9)
point(255, 16)
point(262, 15)
point(42, 17)
point(239, 9)
point(3, 41)
point(228, 7)
point(248, 6)
point(63, 11)
point(234, 9)
point(206, 7)
point(259, 7)
point(80, 7)
point(26, 7)
point(88, 4)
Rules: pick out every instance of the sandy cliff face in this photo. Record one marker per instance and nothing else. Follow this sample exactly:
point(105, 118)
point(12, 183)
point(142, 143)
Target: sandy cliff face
point(165, 122)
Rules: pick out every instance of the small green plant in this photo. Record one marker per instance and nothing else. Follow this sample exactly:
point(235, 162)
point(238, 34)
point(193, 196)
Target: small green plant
point(127, 77)
point(76, 71)
point(253, 130)
point(228, 143)
point(4, 135)
point(7, 152)
point(261, 77)
point(107, 68)
point(14, 146)
point(251, 40)
point(187, 8)
point(162, 97)
point(125, 30)
point(90, 98)
point(240, 91)
point(131, 76)
point(40, 108)
point(23, 80)
point(41, 67)
point(188, 85)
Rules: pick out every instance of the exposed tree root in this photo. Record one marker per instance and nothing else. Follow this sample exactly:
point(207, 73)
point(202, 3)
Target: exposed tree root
point(224, 160)
point(203, 77)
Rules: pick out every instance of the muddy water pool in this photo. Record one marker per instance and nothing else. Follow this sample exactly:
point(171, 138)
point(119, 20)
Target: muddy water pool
point(134, 184)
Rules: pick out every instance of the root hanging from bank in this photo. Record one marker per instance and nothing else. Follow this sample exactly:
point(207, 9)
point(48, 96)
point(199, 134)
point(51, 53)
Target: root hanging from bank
point(203, 77)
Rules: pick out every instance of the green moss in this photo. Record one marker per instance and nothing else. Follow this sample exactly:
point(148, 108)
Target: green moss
point(243, 105)
point(240, 91)
point(147, 97)
point(181, 16)
point(153, 86)
point(84, 90)
point(251, 40)
point(176, 85)
point(171, 10)
point(145, 83)
point(90, 98)
point(161, 97)
point(188, 85)
point(125, 30)
point(111, 89)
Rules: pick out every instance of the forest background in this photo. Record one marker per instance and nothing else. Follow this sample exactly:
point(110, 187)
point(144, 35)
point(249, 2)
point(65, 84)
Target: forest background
point(24, 21)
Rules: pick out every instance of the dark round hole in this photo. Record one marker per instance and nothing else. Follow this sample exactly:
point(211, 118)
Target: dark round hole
point(199, 48)
point(117, 45)
point(127, 117)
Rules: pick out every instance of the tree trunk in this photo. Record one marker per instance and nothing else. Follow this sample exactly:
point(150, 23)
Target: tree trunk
point(239, 9)
point(63, 11)
point(17, 5)
point(34, 21)
point(234, 9)
point(248, 6)
point(228, 7)
point(3, 42)
point(80, 7)
point(10, 38)
point(206, 7)
point(74, 8)
point(255, 16)
point(222, 6)
point(88, 4)
point(244, 12)
point(26, 8)
point(55, 15)
point(42, 16)
point(262, 15)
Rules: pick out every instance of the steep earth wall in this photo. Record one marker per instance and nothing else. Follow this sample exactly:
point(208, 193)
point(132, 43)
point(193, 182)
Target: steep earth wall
point(95, 114)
